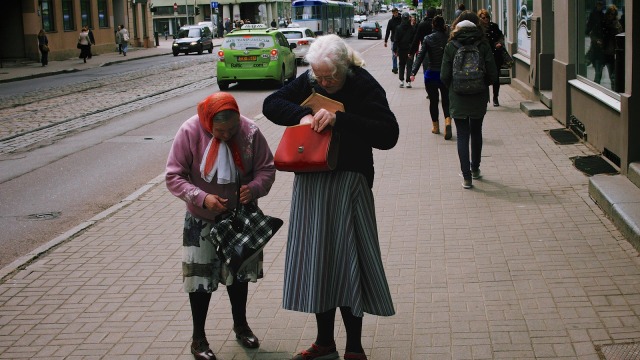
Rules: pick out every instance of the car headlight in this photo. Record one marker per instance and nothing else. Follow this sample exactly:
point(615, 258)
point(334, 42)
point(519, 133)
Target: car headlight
point(174, 44)
point(194, 43)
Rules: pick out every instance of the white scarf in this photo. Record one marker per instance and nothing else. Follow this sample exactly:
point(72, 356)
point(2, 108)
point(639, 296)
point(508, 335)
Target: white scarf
point(224, 166)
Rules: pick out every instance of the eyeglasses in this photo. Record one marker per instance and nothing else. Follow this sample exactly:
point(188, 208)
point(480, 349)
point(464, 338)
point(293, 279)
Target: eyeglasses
point(327, 79)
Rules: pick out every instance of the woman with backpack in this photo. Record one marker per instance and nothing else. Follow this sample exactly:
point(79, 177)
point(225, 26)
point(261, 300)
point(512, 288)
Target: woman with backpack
point(468, 50)
point(433, 48)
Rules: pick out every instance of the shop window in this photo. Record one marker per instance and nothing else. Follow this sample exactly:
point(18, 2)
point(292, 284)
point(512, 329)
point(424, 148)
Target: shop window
point(85, 13)
point(524, 13)
point(47, 15)
point(600, 50)
point(103, 16)
point(67, 15)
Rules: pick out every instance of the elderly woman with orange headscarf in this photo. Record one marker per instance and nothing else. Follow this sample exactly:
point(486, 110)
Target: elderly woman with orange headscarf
point(208, 152)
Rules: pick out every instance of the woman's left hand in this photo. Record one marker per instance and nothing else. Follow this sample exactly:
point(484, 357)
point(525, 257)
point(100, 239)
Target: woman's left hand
point(322, 119)
point(245, 194)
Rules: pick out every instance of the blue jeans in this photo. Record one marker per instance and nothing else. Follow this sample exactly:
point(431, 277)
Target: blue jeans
point(469, 129)
point(394, 58)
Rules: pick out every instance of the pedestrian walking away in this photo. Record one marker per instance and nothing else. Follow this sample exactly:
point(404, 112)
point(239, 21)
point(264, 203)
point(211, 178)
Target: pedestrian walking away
point(333, 257)
point(424, 28)
point(392, 24)
point(207, 152)
point(468, 110)
point(433, 50)
point(402, 48)
point(124, 39)
point(496, 41)
point(84, 44)
point(43, 46)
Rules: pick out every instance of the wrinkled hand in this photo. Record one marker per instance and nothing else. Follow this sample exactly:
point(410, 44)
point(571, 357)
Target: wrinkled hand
point(413, 78)
point(245, 194)
point(215, 203)
point(307, 119)
point(498, 45)
point(322, 119)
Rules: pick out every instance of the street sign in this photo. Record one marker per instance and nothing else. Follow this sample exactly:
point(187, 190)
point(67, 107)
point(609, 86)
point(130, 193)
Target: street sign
point(175, 7)
point(214, 4)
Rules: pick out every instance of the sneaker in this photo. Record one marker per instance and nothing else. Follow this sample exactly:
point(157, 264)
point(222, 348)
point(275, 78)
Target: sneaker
point(395, 71)
point(401, 84)
point(409, 84)
point(467, 184)
point(475, 174)
point(317, 352)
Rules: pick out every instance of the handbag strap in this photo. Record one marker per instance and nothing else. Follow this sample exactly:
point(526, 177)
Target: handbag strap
point(235, 211)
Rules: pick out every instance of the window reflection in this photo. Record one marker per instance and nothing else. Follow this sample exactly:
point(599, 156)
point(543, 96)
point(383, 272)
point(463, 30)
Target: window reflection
point(600, 23)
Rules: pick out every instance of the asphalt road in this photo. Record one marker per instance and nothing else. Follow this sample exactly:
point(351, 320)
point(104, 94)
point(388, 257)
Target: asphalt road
point(63, 175)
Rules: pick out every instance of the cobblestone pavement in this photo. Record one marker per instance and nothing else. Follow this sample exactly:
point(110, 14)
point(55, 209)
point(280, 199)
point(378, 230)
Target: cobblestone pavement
point(57, 110)
point(522, 266)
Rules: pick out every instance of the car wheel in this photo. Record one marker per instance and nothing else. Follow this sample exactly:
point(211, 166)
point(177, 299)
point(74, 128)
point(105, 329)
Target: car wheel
point(201, 50)
point(223, 85)
point(282, 78)
point(294, 75)
point(359, 37)
point(175, 53)
point(379, 37)
point(211, 48)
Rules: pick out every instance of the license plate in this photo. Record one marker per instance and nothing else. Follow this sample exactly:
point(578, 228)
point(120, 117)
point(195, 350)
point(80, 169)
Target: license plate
point(248, 58)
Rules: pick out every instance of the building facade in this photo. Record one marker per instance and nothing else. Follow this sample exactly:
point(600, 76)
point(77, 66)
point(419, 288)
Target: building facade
point(581, 69)
point(169, 15)
point(62, 21)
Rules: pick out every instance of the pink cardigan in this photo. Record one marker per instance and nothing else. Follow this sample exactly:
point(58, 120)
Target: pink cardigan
point(183, 177)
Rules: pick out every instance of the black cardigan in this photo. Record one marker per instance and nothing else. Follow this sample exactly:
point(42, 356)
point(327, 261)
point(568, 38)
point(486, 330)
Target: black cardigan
point(367, 122)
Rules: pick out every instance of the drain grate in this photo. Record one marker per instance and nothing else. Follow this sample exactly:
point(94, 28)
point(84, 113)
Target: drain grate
point(44, 216)
point(630, 351)
point(563, 136)
point(593, 165)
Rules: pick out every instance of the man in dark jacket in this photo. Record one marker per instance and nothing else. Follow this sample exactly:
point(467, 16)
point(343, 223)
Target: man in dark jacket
point(402, 46)
point(391, 28)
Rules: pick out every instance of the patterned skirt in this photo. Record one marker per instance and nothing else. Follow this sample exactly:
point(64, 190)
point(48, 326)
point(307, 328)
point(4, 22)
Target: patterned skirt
point(202, 268)
point(333, 254)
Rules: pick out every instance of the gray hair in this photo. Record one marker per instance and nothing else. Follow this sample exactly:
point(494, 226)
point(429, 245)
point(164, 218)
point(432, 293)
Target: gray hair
point(331, 50)
point(224, 116)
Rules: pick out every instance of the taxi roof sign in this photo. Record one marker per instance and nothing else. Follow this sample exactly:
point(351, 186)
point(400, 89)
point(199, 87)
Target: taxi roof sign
point(253, 26)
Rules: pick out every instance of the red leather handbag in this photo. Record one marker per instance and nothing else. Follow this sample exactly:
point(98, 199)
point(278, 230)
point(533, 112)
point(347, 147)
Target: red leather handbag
point(302, 149)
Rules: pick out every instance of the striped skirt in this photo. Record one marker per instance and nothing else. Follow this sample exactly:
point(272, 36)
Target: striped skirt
point(333, 254)
point(202, 269)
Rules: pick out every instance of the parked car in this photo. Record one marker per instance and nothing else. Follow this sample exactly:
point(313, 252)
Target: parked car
point(370, 29)
point(210, 25)
point(302, 37)
point(255, 52)
point(357, 19)
point(192, 38)
point(363, 17)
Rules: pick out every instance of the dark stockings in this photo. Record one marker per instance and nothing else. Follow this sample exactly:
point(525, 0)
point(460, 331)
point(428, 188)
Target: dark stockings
point(200, 306)
point(238, 298)
point(352, 324)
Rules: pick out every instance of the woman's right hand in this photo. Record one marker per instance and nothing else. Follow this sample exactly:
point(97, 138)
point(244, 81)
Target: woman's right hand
point(413, 78)
point(215, 203)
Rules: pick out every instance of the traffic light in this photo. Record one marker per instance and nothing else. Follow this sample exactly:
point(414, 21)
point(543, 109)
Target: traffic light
point(197, 10)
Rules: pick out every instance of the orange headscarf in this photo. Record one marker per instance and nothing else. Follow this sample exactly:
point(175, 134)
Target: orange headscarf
point(207, 109)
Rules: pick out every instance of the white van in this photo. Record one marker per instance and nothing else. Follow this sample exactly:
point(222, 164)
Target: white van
point(209, 24)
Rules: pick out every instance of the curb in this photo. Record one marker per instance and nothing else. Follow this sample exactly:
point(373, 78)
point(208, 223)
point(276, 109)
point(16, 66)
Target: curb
point(26, 260)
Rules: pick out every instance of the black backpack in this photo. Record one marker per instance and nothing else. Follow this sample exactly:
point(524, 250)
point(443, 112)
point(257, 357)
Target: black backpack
point(468, 69)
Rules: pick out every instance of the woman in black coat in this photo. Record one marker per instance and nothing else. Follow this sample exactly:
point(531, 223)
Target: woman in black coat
point(496, 40)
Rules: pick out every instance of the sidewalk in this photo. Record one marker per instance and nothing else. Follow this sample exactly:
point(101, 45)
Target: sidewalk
point(522, 266)
point(11, 72)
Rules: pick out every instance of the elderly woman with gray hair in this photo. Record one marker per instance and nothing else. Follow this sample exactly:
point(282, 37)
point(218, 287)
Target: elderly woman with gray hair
point(208, 151)
point(333, 257)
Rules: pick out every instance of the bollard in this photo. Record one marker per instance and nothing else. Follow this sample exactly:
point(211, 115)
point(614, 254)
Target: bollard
point(155, 35)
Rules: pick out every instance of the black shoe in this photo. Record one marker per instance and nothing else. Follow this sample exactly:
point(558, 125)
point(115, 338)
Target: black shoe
point(201, 350)
point(395, 71)
point(246, 336)
point(495, 101)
